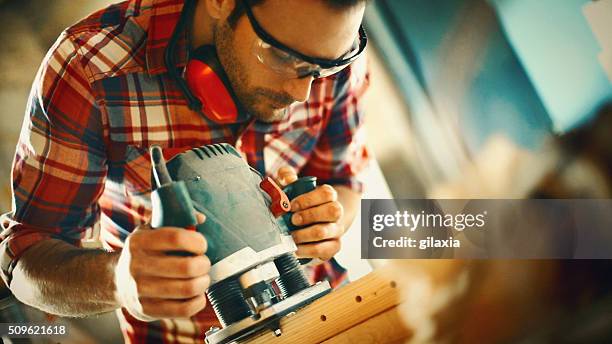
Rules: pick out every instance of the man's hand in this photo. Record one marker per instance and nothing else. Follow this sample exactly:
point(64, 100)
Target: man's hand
point(321, 211)
point(151, 284)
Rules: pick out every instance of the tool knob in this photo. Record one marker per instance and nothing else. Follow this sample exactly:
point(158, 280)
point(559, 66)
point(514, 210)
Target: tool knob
point(170, 201)
point(298, 187)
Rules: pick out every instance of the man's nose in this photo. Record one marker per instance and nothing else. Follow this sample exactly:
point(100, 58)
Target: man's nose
point(299, 89)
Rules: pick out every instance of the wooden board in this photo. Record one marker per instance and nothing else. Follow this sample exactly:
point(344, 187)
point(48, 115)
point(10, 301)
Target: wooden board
point(386, 327)
point(342, 310)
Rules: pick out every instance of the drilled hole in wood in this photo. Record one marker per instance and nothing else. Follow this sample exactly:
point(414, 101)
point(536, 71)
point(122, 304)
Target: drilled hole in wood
point(393, 284)
point(323, 317)
point(358, 298)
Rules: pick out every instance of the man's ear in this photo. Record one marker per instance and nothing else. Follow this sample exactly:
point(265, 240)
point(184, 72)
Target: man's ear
point(219, 9)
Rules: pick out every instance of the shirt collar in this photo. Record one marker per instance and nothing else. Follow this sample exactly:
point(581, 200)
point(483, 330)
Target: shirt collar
point(164, 18)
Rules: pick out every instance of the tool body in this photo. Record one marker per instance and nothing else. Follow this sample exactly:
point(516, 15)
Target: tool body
point(256, 278)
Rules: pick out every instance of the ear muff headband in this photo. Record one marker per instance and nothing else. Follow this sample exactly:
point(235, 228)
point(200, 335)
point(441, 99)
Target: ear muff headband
point(207, 88)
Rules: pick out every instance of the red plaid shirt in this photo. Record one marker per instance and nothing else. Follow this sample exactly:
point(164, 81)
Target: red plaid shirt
point(102, 96)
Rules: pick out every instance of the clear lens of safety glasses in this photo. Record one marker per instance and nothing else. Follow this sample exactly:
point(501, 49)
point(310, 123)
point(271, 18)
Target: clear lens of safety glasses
point(288, 65)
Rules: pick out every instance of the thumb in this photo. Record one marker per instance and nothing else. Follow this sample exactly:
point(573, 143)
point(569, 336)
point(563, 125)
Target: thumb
point(285, 176)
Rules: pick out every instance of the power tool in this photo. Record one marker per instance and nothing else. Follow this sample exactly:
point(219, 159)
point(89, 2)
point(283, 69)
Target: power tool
point(256, 278)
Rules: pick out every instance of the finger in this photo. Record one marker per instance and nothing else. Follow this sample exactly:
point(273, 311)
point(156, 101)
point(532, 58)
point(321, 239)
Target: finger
point(286, 175)
point(318, 232)
point(328, 212)
point(164, 308)
point(200, 218)
point(171, 239)
point(323, 250)
point(322, 194)
point(167, 288)
point(170, 266)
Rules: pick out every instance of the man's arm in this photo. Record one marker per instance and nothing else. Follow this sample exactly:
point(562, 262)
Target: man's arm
point(61, 279)
point(340, 155)
point(59, 173)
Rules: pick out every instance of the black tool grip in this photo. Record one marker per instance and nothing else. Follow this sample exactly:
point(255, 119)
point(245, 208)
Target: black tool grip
point(172, 207)
point(170, 201)
point(298, 187)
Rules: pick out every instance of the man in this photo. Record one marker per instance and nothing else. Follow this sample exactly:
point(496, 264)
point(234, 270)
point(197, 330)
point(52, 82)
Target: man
point(103, 95)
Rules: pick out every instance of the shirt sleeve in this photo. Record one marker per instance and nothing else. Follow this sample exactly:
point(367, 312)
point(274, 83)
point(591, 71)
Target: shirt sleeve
point(59, 166)
point(341, 155)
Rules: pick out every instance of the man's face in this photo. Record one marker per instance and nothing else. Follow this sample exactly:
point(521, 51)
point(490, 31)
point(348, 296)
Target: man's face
point(311, 27)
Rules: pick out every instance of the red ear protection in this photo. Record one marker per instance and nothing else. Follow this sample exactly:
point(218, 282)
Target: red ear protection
point(207, 88)
point(209, 84)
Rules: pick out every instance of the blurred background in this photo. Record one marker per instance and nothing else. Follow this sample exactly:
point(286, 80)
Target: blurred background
point(468, 99)
point(465, 73)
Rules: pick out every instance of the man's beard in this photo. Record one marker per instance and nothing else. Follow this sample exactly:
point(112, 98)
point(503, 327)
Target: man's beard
point(250, 98)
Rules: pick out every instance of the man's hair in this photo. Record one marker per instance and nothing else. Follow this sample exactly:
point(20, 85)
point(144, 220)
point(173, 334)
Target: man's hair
point(239, 8)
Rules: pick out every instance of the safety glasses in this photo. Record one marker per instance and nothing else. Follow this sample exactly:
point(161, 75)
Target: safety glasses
point(292, 64)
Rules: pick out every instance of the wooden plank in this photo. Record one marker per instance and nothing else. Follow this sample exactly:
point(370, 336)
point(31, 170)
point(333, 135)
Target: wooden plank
point(339, 310)
point(386, 327)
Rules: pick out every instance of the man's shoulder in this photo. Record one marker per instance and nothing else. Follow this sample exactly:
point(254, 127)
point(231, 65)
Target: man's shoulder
point(354, 79)
point(340, 89)
point(111, 16)
point(112, 40)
